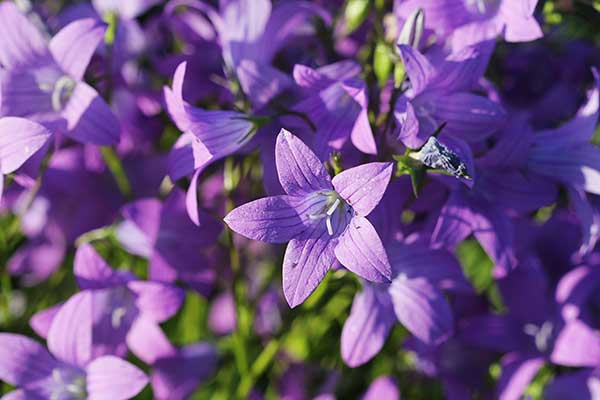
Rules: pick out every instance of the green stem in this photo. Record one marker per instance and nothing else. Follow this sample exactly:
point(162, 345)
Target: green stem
point(261, 363)
point(116, 169)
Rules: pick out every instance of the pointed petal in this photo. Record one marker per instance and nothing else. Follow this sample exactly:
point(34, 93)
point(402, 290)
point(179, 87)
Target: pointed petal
point(300, 171)
point(89, 118)
point(187, 155)
point(575, 288)
point(520, 24)
point(581, 128)
point(91, 271)
point(419, 69)
point(191, 198)
point(111, 378)
point(462, 70)
point(517, 373)
point(73, 46)
point(363, 187)
point(577, 345)
point(422, 309)
point(367, 327)
point(467, 116)
point(305, 264)
point(362, 134)
point(383, 387)
point(261, 82)
point(310, 78)
point(70, 335)
point(175, 378)
point(276, 219)
point(41, 321)
point(360, 250)
point(23, 361)
point(19, 140)
point(454, 223)
point(147, 341)
point(286, 19)
point(409, 129)
point(20, 41)
point(439, 267)
point(156, 300)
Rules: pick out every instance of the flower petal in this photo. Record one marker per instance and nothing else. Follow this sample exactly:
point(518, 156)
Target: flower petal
point(422, 309)
point(367, 327)
point(74, 45)
point(300, 171)
point(23, 361)
point(261, 82)
point(276, 219)
point(147, 341)
point(305, 264)
point(156, 300)
point(111, 378)
point(517, 373)
point(70, 335)
point(89, 118)
point(91, 271)
point(19, 140)
point(363, 187)
point(575, 288)
point(418, 68)
point(577, 345)
point(467, 116)
point(41, 321)
point(20, 41)
point(360, 250)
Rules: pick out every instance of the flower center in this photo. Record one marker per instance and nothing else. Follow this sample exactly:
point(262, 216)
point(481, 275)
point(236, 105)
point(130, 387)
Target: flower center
point(69, 385)
point(62, 92)
point(333, 202)
point(483, 7)
point(541, 334)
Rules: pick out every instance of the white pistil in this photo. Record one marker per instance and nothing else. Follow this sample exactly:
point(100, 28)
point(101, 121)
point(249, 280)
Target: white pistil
point(330, 212)
point(117, 316)
point(63, 89)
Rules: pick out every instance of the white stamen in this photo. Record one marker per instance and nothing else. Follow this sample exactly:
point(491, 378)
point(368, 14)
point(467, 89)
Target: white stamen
point(63, 89)
point(333, 207)
point(329, 227)
point(117, 316)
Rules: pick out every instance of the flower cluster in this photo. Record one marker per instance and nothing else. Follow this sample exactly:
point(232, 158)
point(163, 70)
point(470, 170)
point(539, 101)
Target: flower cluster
point(431, 166)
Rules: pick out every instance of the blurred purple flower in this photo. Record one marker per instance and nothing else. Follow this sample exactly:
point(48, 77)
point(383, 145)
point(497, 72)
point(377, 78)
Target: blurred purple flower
point(441, 93)
point(467, 22)
point(70, 370)
point(115, 301)
point(383, 387)
point(44, 81)
point(176, 248)
point(176, 372)
point(336, 102)
point(414, 298)
point(323, 219)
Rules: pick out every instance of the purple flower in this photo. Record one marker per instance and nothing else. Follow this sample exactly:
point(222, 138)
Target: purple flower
point(468, 22)
point(44, 81)
point(176, 372)
point(115, 301)
point(336, 103)
point(163, 233)
point(209, 136)
point(70, 370)
point(414, 298)
point(323, 219)
point(441, 94)
point(532, 333)
point(383, 387)
point(584, 384)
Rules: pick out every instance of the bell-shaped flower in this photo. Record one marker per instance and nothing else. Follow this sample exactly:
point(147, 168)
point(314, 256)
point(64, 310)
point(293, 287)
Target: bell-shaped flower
point(323, 219)
point(442, 94)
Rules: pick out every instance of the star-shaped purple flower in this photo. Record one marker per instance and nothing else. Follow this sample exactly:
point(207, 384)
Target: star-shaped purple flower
point(323, 219)
point(70, 370)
